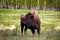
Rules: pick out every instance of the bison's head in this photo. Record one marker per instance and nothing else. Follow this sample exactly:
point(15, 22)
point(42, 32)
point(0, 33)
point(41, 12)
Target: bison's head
point(33, 14)
point(29, 15)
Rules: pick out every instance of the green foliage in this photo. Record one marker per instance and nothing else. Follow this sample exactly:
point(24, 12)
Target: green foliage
point(22, 2)
point(34, 3)
point(42, 2)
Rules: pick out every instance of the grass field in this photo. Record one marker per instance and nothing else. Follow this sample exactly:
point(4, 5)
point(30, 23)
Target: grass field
point(50, 21)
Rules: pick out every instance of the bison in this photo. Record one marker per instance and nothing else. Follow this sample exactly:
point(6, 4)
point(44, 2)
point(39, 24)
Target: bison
point(30, 21)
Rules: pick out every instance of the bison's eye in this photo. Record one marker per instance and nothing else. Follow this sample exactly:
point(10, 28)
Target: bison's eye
point(32, 17)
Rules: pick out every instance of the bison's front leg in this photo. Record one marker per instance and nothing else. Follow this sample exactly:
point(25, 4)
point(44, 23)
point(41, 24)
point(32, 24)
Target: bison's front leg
point(25, 30)
point(22, 27)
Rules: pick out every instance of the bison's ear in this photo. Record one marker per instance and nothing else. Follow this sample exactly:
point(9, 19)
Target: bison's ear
point(32, 17)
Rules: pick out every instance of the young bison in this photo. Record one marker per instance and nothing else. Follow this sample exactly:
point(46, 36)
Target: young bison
point(30, 21)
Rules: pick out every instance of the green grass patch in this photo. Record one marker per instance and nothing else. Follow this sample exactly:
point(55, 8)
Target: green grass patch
point(49, 21)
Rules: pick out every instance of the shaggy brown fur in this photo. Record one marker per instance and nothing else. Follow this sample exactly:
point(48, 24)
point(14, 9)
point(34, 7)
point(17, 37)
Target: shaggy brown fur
point(30, 21)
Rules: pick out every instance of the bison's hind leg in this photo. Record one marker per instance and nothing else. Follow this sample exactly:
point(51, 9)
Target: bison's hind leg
point(38, 31)
point(22, 27)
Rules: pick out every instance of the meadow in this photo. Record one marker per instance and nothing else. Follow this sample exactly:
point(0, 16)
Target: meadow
point(50, 25)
